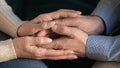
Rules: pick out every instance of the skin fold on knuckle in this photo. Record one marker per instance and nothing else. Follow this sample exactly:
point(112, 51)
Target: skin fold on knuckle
point(44, 26)
point(27, 40)
point(57, 45)
point(34, 29)
point(39, 40)
point(61, 30)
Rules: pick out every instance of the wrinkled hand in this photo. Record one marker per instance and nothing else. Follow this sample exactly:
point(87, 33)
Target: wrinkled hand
point(43, 22)
point(88, 24)
point(75, 40)
point(27, 47)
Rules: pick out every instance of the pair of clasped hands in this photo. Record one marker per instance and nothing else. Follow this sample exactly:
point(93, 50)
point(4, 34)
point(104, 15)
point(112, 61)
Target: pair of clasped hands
point(57, 35)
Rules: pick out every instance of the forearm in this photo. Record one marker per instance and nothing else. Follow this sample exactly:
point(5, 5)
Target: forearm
point(103, 48)
point(9, 22)
point(7, 51)
point(107, 10)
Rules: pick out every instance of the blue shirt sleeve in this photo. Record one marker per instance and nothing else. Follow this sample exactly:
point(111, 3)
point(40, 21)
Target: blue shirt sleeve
point(103, 48)
point(108, 11)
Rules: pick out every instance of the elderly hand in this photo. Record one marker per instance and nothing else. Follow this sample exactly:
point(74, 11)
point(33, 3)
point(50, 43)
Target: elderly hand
point(27, 47)
point(43, 21)
point(74, 39)
point(88, 24)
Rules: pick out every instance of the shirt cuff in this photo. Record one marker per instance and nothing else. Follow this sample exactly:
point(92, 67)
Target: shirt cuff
point(98, 47)
point(7, 51)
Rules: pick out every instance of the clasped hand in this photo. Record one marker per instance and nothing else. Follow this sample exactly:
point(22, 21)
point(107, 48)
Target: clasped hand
point(57, 35)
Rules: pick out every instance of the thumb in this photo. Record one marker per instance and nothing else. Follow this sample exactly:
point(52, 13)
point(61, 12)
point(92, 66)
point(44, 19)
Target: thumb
point(64, 30)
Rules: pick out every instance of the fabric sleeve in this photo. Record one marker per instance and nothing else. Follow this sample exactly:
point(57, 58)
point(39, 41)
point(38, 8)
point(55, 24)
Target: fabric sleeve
point(9, 22)
point(7, 51)
point(103, 48)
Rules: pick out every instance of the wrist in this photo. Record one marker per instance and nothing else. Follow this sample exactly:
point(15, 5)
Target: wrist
point(85, 44)
point(19, 30)
point(100, 25)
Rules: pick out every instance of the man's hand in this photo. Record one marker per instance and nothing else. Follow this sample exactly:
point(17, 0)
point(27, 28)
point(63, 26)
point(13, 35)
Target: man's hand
point(43, 21)
point(88, 24)
point(75, 40)
point(27, 47)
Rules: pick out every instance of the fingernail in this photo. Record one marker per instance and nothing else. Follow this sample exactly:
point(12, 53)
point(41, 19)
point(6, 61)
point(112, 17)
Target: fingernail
point(79, 12)
point(71, 52)
point(52, 23)
point(55, 27)
point(48, 40)
point(74, 57)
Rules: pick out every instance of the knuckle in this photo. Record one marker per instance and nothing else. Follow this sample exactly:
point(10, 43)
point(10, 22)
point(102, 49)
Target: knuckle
point(63, 21)
point(64, 10)
point(42, 17)
point(43, 25)
point(60, 10)
point(58, 45)
point(26, 40)
point(63, 30)
point(33, 30)
point(41, 40)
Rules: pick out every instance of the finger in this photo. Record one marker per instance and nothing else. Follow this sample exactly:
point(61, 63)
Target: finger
point(59, 54)
point(68, 10)
point(63, 30)
point(71, 32)
point(57, 44)
point(63, 13)
point(51, 52)
point(41, 40)
point(43, 53)
point(74, 22)
point(44, 25)
point(64, 57)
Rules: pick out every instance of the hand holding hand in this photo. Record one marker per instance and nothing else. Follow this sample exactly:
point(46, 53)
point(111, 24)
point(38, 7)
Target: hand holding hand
point(88, 24)
point(27, 47)
point(75, 40)
point(43, 21)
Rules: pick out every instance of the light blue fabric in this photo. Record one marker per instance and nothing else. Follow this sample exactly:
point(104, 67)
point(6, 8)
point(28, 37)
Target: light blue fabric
point(23, 63)
point(106, 48)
